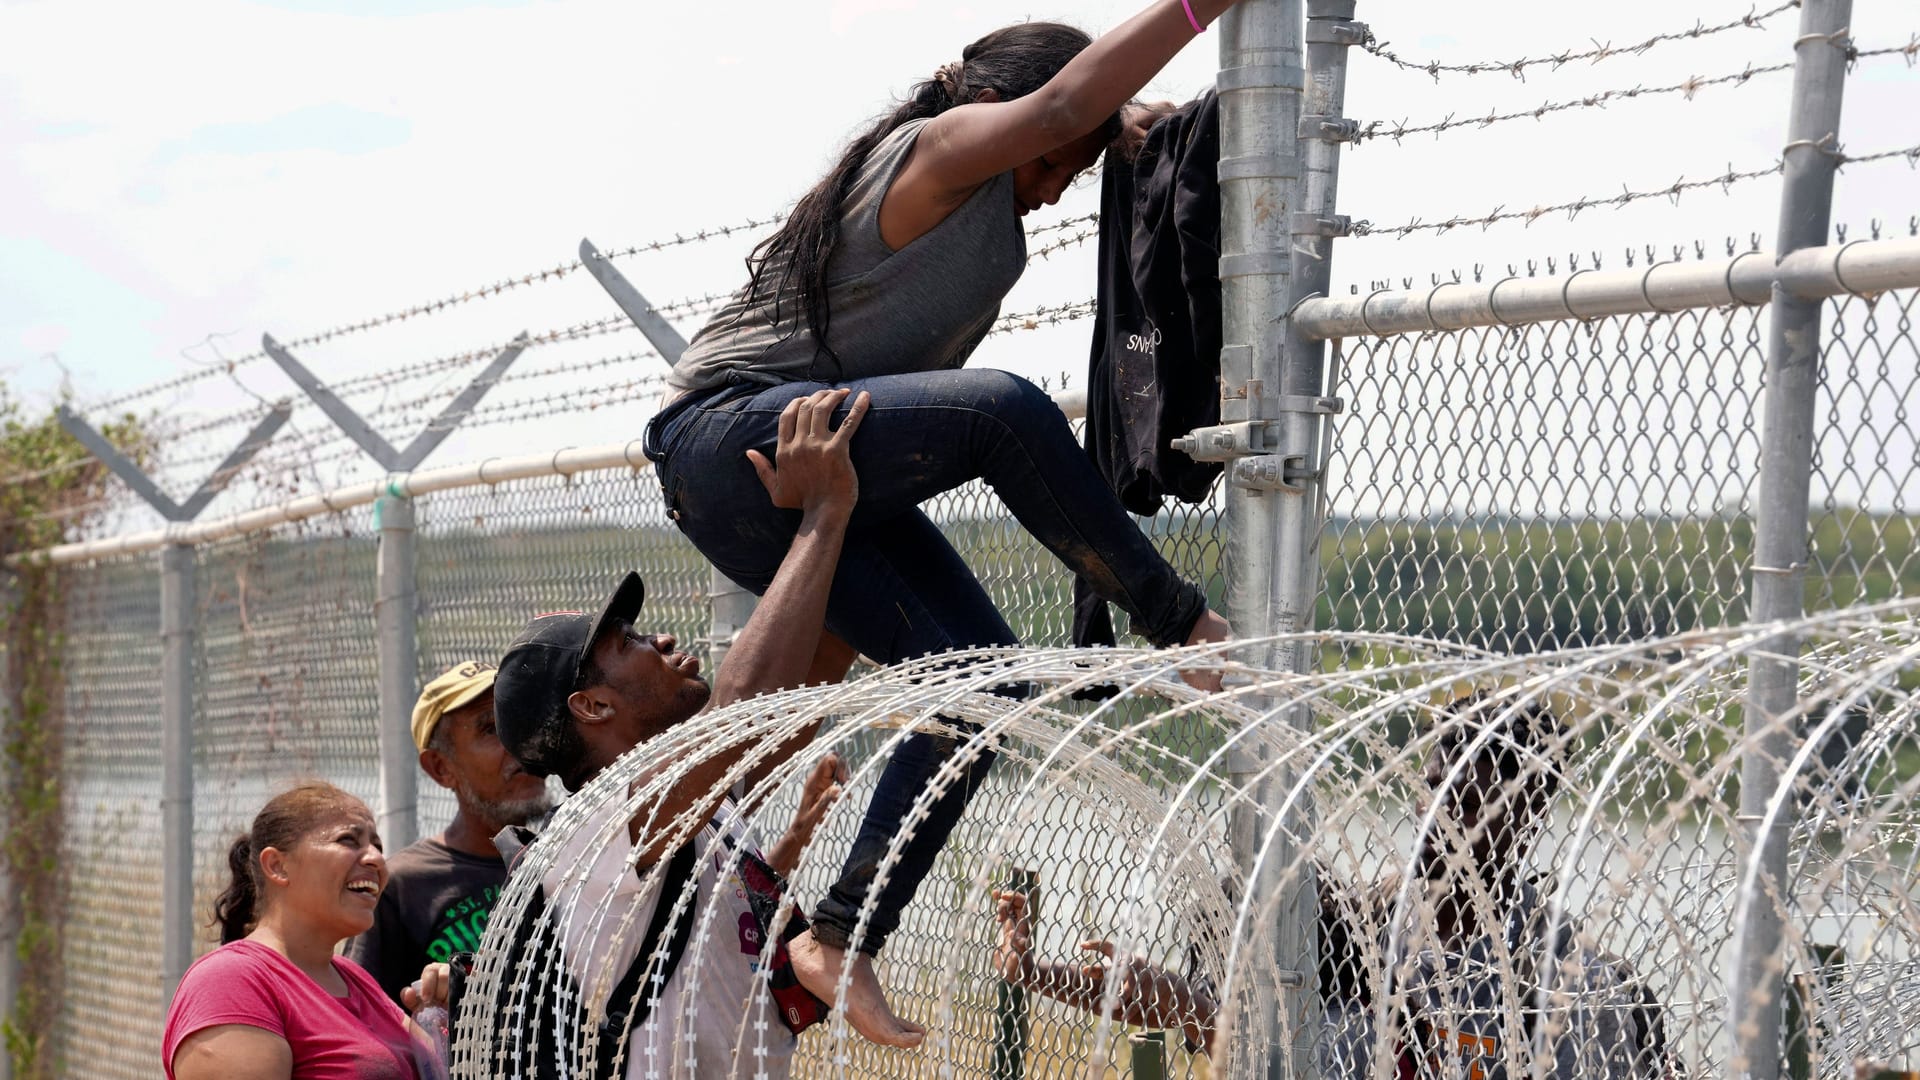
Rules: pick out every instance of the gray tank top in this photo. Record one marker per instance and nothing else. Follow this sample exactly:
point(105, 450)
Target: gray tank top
point(922, 308)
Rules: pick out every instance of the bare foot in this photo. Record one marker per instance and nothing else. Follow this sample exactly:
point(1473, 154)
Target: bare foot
point(818, 968)
point(1208, 628)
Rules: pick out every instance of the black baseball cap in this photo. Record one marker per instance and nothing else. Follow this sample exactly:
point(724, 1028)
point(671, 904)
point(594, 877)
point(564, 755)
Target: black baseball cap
point(541, 670)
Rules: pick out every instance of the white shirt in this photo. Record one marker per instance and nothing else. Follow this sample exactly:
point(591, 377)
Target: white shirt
point(696, 1028)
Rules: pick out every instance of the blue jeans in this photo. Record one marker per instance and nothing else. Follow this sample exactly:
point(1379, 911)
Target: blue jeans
point(901, 591)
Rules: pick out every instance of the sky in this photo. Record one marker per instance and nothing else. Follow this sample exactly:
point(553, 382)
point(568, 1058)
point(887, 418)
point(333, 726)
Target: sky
point(177, 179)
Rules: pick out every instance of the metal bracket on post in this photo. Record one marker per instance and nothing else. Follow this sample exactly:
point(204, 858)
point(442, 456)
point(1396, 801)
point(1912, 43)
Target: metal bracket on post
point(361, 432)
point(177, 646)
point(143, 485)
point(1305, 224)
point(1341, 30)
point(395, 613)
point(729, 605)
point(1251, 445)
point(649, 321)
point(1333, 129)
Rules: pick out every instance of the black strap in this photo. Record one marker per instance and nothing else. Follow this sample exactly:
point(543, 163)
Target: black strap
point(627, 1000)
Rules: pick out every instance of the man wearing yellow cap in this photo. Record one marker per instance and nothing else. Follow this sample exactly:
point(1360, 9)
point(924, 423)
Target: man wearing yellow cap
point(441, 889)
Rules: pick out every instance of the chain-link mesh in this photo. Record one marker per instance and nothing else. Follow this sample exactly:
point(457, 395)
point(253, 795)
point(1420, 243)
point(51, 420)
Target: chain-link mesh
point(112, 935)
point(1569, 483)
point(1864, 541)
point(490, 558)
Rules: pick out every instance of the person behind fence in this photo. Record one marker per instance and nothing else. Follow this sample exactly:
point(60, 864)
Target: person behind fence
point(1150, 996)
point(883, 279)
point(1480, 933)
point(441, 888)
point(574, 693)
point(273, 1002)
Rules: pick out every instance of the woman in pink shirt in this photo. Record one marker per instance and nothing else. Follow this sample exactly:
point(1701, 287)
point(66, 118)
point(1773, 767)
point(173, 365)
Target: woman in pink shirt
point(274, 1002)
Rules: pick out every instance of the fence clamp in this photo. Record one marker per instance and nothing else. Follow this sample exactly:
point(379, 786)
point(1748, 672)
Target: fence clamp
point(1273, 472)
point(1336, 32)
point(1306, 223)
point(1226, 442)
point(1251, 438)
point(1335, 129)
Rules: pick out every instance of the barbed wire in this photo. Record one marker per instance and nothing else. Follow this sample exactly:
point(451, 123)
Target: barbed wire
point(1572, 209)
point(1063, 224)
point(1911, 153)
point(229, 366)
point(1909, 52)
point(1044, 315)
point(679, 239)
point(413, 408)
point(1047, 251)
point(431, 307)
point(694, 305)
point(392, 377)
point(1686, 88)
point(1600, 51)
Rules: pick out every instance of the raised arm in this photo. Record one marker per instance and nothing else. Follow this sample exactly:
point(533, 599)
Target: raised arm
point(966, 146)
point(818, 793)
point(1148, 997)
point(812, 473)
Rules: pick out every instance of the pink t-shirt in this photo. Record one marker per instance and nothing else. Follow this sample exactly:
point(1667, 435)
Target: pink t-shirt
point(362, 1036)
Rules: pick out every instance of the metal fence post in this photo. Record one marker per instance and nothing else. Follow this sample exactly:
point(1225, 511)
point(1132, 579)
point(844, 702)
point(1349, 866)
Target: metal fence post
point(177, 602)
point(1780, 533)
point(1260, 84)
point(395, 608)
point(1305, 398)
point(730, 605)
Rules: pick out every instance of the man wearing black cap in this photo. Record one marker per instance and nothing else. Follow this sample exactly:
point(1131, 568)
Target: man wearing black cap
point(576, 691)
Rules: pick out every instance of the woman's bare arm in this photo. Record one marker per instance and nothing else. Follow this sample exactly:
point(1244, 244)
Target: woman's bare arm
point(966, 146)
point(233, 1052)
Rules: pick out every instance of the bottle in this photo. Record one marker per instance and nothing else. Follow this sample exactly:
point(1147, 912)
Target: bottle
point(433, 1020)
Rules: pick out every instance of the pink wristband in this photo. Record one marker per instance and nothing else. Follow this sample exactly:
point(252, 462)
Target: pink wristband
point(1187, 6)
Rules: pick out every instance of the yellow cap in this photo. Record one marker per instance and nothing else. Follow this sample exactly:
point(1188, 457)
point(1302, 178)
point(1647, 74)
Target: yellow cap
point(455, 687)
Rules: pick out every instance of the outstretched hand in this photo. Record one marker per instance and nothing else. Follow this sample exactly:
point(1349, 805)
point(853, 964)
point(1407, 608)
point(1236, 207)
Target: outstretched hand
point(812, 468)
point(1013, 957)
point(818, 793)
point(1157, 998)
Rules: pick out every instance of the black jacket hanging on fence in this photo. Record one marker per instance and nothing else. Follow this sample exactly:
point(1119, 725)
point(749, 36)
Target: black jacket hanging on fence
point(1155, 366)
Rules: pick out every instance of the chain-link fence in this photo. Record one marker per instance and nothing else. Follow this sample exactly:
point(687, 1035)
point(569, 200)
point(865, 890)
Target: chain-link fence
point(1578, 482)
point(1557, 486)
point(1527, 865)
point(1553, 501)
point(286, 679)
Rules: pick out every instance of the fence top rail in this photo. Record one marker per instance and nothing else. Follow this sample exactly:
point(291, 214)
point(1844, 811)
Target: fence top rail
point(565, 462)
point(1859, 267)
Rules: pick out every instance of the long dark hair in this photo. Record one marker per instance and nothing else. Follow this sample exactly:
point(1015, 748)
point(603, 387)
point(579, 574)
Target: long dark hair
point(1013, 62)
point(281, 823)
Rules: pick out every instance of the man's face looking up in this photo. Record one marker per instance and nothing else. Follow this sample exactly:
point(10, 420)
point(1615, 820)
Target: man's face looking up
point(649, 678)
